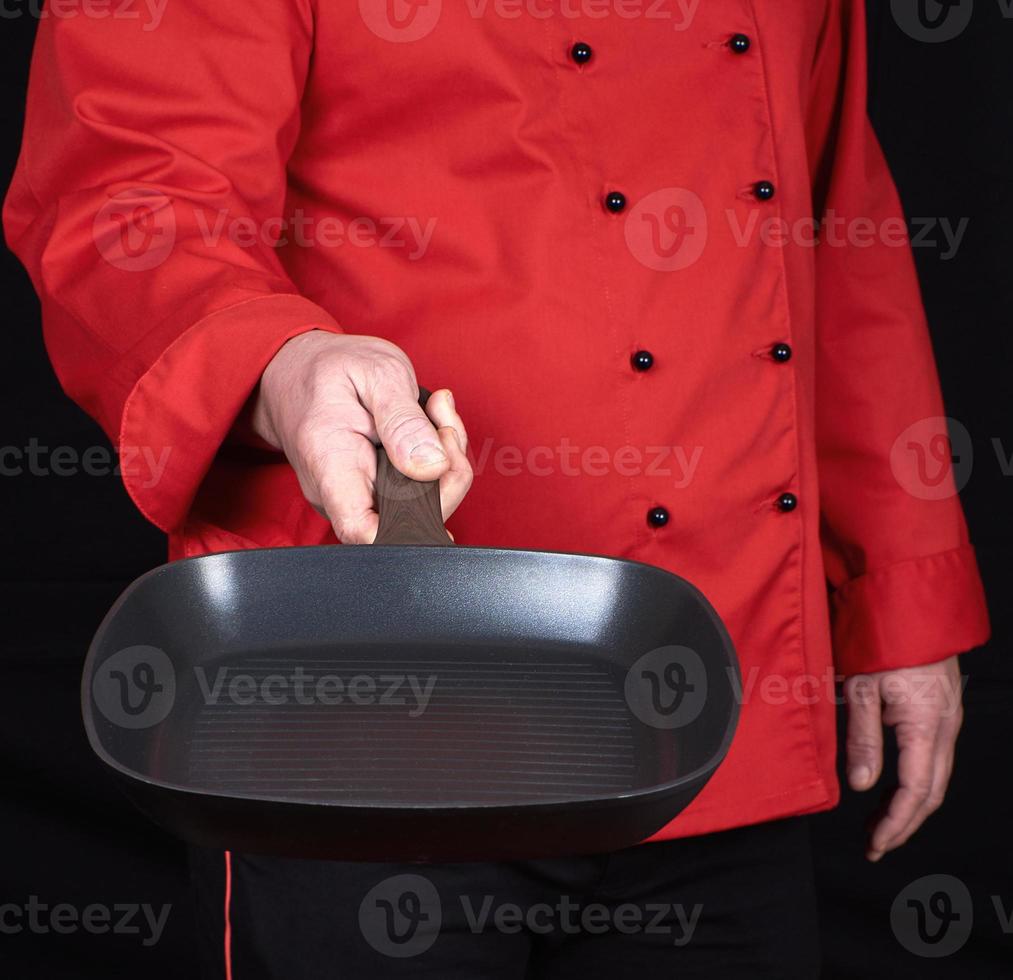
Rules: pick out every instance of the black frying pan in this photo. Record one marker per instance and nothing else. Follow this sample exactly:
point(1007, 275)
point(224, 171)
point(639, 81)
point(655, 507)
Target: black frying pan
point(411, 700)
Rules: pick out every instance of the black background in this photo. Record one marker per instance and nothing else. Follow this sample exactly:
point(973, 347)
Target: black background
point(944, 113)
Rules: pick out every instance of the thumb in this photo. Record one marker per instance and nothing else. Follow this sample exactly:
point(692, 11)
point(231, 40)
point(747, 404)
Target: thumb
point(407, 434)
point(864, 746)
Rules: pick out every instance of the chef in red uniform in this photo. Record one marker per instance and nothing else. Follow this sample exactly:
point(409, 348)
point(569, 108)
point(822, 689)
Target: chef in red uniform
point(653, 255)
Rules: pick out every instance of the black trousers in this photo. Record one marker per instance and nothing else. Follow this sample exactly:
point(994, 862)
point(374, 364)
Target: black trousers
point(738, 904)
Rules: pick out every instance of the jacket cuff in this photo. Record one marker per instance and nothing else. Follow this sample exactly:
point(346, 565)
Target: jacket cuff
point(910, 613)
point(183, 407)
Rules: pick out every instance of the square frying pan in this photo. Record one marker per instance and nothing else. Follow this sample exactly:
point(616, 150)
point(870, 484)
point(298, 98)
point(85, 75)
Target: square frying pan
point(411, 700)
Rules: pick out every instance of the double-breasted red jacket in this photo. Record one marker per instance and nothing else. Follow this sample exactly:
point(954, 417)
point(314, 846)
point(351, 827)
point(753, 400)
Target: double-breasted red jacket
point(651, 245)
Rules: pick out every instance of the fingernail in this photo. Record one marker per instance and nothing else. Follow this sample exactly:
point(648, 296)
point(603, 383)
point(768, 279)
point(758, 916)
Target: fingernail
point(450, 397)
point(427, 454)
point(861, 776)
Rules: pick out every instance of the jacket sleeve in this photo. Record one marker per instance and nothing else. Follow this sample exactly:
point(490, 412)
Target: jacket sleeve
point(145, 204)
point(906, 589)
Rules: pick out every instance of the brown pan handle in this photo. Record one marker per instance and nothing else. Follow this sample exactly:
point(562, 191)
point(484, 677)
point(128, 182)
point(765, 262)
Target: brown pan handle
point(409, 509)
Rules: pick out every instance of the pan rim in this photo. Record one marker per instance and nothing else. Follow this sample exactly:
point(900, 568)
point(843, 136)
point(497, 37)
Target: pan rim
point(699, 775)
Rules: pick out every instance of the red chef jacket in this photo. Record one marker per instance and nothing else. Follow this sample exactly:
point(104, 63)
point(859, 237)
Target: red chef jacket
point(594, 221)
